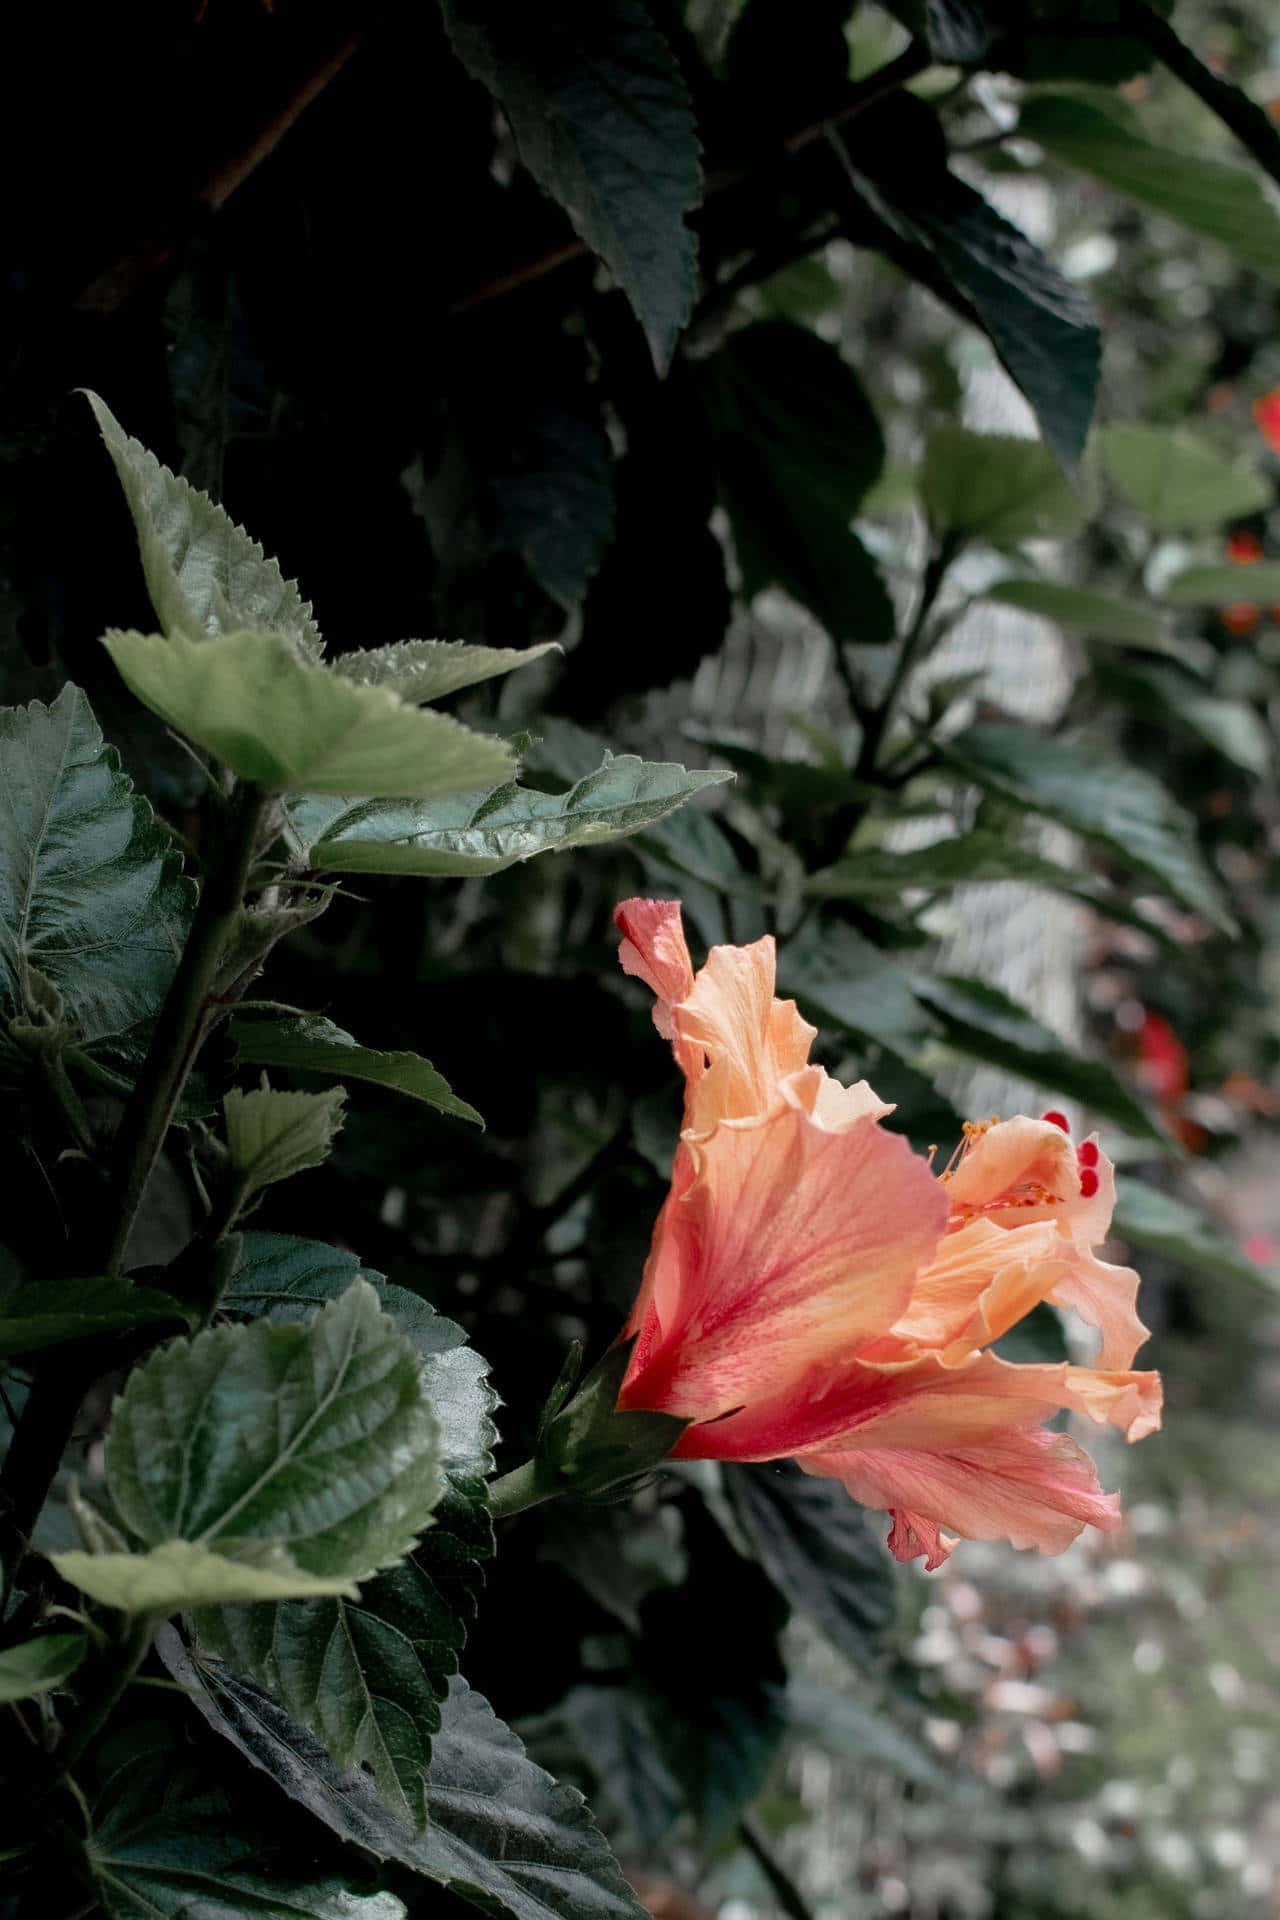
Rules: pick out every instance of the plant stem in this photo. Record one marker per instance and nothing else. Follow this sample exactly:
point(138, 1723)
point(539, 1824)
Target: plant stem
point(183, 1021)
point(941, 555)
point(785, 1890)
point(1251, 125)
point(99, 1707)
point(523, 1487)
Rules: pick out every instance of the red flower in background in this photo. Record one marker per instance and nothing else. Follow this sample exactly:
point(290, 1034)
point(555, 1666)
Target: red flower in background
point(815, 1290)
point(1266, 413)
point(1243, 547)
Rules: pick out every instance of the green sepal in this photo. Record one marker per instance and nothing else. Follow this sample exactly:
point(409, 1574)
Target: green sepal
point(589, 1447)
point(565, 1382)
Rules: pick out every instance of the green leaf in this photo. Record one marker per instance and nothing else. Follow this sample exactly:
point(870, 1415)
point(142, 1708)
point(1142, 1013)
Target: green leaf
point(180, 1574)
point(1224, 202)
point(1147, 1217)
point(600, 1737)
point(1178, 482)
point(842, 980)
point(91, 891)
point(169, 1845)
point(1081, 611)
point(479, 834)
point(1158, 689)
point(588, 1447)
point(603, 122)
point(981, 1021)
point(1120, 807)
point(367, 1678)
point(420, 670)
point(49, 1312)
point(308, 1043)
point(285, 722)
point(819, 1549)
point(799, 444)
point(317, 1439)
point(204, 574)
point(996, 487)
point(501, 1834)
point(271, 1135)
point(1219, 586)
point(39, 1665)
point(830, 1720)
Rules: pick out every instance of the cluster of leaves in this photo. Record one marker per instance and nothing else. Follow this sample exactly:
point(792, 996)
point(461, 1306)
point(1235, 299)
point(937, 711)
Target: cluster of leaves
point(295, 1466)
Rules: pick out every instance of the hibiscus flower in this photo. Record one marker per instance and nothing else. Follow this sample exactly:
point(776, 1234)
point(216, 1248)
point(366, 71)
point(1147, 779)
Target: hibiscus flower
point(816, 1290)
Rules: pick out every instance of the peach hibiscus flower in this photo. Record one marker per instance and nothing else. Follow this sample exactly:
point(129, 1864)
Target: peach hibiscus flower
point(816, 1290)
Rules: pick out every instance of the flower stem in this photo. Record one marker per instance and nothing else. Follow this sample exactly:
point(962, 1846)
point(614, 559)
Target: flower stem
point(525, 1486)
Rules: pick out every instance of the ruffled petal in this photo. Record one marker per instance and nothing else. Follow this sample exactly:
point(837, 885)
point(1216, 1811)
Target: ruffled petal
point(1106, 1297)
point(1018, 1171)
point(654, 949)
point(1025, 1485)
point(752, 1041)
point(983, 1279)
point(792, 1246)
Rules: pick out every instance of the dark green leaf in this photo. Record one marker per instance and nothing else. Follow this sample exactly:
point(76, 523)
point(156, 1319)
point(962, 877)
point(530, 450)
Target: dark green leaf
point(842, 1726)
point(820, 1549)
point(501, 1832)
point(1224, 202)
point(286, 722)
point(39, 1665)
point(589, 1448)
point(204, 574)
point(996, 487)
point(91, 893)
point(799, 445)
point(289, 1443)
point(553, 495)
point(842, 980)
point(1082, 611)
point(1178, 482)
point(1117, 805)
point(1067, 40)
point(603, 122)
point(49, 1312)
point(601, 1739)
point(367, 1677)
point(981, 1021)
point(181, 1574)
point(308, 1043)
point(1159, 689)
point(1147, 1217)
point(480, 834)
point(167, 1845)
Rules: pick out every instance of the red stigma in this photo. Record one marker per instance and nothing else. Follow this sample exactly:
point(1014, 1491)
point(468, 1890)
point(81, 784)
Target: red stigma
point(1087, 1154)
point(1088, 1184)
point(1057, 1120)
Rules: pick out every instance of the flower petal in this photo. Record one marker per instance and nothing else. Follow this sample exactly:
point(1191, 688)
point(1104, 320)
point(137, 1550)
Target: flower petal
point(752, 1041)
point(981, 1281)
point(793, 1245)
point(1025, 1485)
point(1106, 1297)
point(1021, 1170)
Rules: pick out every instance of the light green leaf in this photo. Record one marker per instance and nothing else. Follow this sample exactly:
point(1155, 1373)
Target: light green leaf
point(419, 670)
point(602, 120)
point(1219, 586)
point(317, 1439)
point(169, 1844)
point(1178, 482)
point(37, 1666)
point(984, 1023)
point(842, 1726)
point(91, 889)
point(842, 980)
point(285, 722)
point(49, 1312)
point(502, 1834)
point(179, 1574)
point(204, 574)
point(479, 834)
point(1224, 202)
point(1117, 805)
point(308, 1043)
point(271, 1135)
point(367, 1678)
point(1081, 611)
point(1147, 1217)
point(996, 487)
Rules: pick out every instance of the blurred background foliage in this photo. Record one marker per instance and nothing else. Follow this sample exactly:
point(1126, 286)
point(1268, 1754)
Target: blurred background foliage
point(1002, 716)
